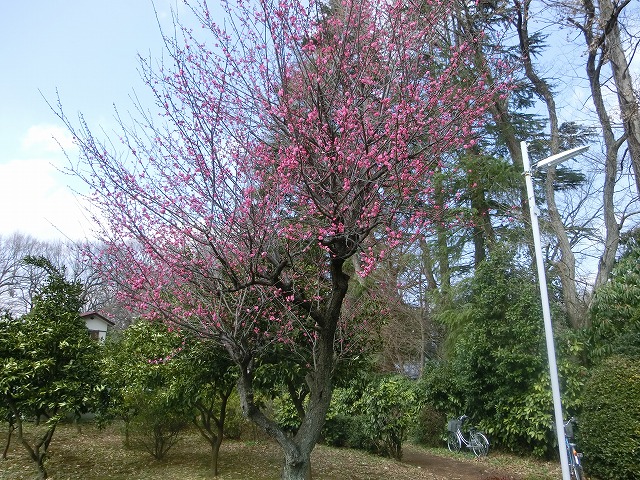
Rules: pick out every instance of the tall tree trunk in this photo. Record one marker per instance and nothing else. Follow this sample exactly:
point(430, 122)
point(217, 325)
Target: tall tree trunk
point(595, 60)
point(566, 265)
point(297, 449)
point(627, 98)
point(442, 238)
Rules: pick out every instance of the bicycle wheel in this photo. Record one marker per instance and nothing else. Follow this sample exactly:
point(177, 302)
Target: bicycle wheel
point(576, 472)
point(453, 442)
point(479, 444)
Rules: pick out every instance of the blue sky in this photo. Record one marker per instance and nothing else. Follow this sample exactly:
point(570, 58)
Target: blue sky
point(87, 50)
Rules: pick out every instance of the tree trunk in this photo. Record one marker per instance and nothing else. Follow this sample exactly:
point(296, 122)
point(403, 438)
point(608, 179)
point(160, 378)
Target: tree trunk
point(36, 454)
point(42, 471)
point(12, 427)
point(215, 452)
point(297, 449)
point(566, 265)
point(595, 60)
point(297, 466)
point(627, 98)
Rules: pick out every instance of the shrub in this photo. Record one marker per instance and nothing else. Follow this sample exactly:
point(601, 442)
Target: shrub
point(157, 426)
point(609, 432)
point(427, 428)
point(388, 407)
point(286, 414)
point(335, 430)
point(347, 431)
point(374, 416)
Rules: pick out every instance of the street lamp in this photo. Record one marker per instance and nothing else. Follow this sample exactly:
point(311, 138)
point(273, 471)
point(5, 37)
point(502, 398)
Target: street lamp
point(546, 311)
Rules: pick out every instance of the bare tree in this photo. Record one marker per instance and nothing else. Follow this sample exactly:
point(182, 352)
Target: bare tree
point(600, 31)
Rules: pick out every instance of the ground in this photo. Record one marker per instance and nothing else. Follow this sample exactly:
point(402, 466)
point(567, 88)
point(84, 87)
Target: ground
point(99, 455)
point(441, 467)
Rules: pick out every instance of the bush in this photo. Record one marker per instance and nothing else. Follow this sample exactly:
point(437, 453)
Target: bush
point(347, 431)
point(428, 429)
point(388, 407)
point(158, 434)
point(286, 415)
point(157, 426)
point(609, 432)
point(374, 416)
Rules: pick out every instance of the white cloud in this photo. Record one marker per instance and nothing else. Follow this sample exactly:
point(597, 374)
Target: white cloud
point(35, 197)
point(36, 200)
point(47, 138)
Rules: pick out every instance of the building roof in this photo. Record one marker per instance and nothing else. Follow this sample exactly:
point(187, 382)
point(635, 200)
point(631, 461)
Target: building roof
point(96, 314)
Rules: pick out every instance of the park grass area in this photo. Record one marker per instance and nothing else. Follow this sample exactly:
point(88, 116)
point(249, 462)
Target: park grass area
point(100, 454)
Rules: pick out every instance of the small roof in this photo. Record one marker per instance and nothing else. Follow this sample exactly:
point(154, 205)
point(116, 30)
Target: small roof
point(96, 314)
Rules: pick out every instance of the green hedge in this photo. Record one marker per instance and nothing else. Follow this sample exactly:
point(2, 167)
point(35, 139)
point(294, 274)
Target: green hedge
point(374, 416)
point(609, 428)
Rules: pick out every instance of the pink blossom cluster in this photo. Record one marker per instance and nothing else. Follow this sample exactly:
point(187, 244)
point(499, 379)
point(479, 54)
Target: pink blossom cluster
point(290, 141)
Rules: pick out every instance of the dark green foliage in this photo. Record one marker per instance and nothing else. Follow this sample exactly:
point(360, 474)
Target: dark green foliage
point(609, 433)
point(342, 430)
point(375, 417)
point(388, 406)
point(157, 426)
point(234, 422)
point(615, 312)
point(442, 388)
point(497, 359)
point(344, 427)
point(48, 364)
point(427, 428)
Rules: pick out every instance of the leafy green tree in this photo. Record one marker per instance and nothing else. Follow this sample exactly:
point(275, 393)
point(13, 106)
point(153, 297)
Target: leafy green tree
point(139, 376)
point(48, 363)
point(204, 379)
point(388, 407)
point(497, 354)
point(6, 415)
point(615, 311)
point(160, 379)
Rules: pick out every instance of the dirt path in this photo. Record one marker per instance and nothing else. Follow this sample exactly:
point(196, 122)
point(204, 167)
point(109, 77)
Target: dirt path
point(451, 468)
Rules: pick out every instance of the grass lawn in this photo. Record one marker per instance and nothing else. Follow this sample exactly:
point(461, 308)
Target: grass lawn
point(99, 455)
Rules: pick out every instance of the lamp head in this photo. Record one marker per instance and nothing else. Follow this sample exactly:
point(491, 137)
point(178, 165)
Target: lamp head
point(560, 157)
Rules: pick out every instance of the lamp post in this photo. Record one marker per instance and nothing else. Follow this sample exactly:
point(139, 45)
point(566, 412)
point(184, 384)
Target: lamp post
point(546, 311)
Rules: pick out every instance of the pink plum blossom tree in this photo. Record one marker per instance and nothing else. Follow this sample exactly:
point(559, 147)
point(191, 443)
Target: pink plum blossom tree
point(295, 138)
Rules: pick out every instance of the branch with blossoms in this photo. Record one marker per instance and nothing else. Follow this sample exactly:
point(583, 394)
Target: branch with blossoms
point(298, 137)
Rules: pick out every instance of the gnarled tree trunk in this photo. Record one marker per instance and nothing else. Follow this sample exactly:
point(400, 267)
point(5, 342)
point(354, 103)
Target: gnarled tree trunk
point(627, 98)
point(566, 265)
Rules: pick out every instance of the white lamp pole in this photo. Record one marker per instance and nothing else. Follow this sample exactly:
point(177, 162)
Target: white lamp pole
point(546, 311)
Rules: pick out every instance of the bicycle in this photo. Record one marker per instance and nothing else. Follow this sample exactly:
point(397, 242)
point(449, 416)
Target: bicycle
point(574, 457)
point(477, 441)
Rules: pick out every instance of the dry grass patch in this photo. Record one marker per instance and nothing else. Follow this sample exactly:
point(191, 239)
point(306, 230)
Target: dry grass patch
point(100, 454)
